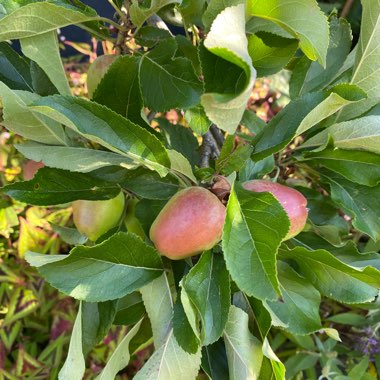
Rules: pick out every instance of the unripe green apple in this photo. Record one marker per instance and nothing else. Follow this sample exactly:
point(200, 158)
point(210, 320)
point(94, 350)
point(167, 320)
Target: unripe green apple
point(95, 218)
point(190, 223)
point(97, 71)
point(293, 202)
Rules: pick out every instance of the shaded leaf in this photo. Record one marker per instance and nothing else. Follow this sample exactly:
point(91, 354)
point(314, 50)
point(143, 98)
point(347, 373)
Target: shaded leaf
point(54, 186)
point(270, 53)
point(121, 80)
point(168, 82)
point(298, 309)
point(14, 69)
point(226, 109)
point(362, 203)
point(208, 288)
point(140, 13)
point(130, 309)
point(357, 166)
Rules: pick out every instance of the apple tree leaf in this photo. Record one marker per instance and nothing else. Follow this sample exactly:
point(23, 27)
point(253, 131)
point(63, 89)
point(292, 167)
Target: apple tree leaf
point(250, 256)
point(116, 267)
point(226, 109)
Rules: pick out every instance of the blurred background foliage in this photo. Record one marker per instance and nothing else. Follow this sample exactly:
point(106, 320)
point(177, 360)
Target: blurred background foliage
point(36, 321)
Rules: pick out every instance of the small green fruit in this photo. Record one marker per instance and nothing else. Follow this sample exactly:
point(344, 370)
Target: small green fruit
point(190, 223)
point(97, 71)
point(95, 218)
point(293, 202)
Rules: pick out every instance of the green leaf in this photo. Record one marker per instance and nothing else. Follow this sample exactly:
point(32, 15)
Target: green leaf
point(197, 119)
point(208, 288)
point(316, 77)
point(120, 357)
point(14, 69)
point(214, 360)
point(192, 11)
point(149, 35)
point(180, 139)
point(298, 309)
point(181, 165)
point(44, 50)
point(167, 82)
point(325, 217)
point(54, 186)
point(244, 351)
point(70, 236)
point(255, 225)
point(41, 17)
point(252, 122)
point(116, 267)
point(332, 277)
point(302, 19)
point(169, 360)
point(107, 128)
point(302, 114)
point(130, 309)
point(148, 184)
point(121, 80)
point(357, 166)
point(140, 13)
point(76, 159)
point(226, 109)
point(270, 53)
point(299, 362)
point(159, 304)
point(75, 365)
point(358, 134)
point(256, 170)
point(367, 60)
point(272, 366)
point(182, 329)
point(147, 211)
point(259, 317)
point(18, 118)
point(97, 319)
point(233, 156)
point(214, 8)
point(362, 203)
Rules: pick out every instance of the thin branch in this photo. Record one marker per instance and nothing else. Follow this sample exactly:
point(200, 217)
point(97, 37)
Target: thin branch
point(347, 7)
point(210, 149)
point(217, 134)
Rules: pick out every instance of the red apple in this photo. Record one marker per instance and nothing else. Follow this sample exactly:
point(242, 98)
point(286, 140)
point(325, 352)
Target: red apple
point(293, 202)
point(190, 223)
